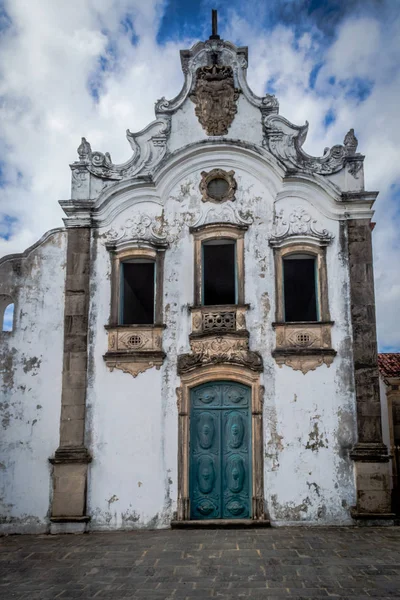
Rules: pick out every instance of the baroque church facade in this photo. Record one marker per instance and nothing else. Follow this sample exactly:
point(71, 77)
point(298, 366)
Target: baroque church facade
point(198, 343)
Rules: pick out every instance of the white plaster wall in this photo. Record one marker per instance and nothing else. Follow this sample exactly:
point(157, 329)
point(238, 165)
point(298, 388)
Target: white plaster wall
point(30, 385)
point(127, 427)
point(309, 420)
point(186, 129)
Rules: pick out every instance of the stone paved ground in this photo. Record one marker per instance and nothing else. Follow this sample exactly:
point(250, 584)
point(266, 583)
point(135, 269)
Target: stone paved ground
point(256, 564)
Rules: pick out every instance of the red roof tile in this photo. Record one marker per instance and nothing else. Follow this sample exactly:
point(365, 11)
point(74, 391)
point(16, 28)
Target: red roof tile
point(389, 364)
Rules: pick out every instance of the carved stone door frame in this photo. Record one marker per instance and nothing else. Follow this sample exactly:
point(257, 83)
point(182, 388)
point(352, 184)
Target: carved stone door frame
point(209, 374)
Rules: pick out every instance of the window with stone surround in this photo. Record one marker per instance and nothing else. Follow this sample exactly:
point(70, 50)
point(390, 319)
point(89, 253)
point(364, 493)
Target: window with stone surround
point(137, 285)
point(300, 283)
point(218, 278)
point(218, 264)
point(219, 285)
point(135, 329)
point(303, 323)
point(137, 292)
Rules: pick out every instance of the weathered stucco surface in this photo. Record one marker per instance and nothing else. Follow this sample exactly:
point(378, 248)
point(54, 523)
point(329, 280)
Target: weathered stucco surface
point(30, 392)
point(309, 420)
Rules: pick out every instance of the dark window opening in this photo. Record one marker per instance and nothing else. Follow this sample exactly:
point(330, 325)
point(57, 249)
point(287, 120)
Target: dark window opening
point(137, 286)
point(218, 188)
point(299, 289)
point(219, 277)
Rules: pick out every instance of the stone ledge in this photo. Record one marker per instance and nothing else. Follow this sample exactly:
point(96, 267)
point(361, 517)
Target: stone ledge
point(157, 356)
point(357, 515)
point(83, 519)
point(221, 334)
point(370, 452)
point(304, 352)
point(145, 339)
point(68, 527)
point(220, 524)
point(69, 454)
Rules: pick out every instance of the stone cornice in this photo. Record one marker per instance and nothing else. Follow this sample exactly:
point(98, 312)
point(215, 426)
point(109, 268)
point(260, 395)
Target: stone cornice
point(231, 153)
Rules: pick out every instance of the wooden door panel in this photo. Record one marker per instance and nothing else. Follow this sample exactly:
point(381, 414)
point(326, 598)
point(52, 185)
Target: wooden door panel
point(205, 462)
point(220, 451)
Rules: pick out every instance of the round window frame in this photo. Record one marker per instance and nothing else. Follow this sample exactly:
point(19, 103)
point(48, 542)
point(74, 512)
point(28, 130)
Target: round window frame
point(208, 177)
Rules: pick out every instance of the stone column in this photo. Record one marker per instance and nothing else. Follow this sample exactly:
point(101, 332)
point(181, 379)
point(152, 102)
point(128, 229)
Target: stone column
point(370, 453)
point(71, 459)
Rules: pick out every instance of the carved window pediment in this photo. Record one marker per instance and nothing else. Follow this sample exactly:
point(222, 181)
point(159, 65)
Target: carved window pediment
point(135, 347)
point(298, 227)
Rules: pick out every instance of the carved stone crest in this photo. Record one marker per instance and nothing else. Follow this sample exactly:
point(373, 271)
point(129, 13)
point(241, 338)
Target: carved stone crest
point(215, 98)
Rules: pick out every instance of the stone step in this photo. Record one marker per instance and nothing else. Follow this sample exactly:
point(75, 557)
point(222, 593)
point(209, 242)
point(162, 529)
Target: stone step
point(220, 524)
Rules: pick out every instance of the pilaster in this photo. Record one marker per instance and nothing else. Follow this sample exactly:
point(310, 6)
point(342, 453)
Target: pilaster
point(370, 453)
point(71, 458)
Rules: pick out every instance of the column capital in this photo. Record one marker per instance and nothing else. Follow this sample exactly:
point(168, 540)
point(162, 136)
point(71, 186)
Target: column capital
point(370, 452)
point(72, 454)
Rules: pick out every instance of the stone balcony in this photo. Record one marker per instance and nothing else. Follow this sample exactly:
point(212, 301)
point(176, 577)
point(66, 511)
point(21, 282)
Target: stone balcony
point(134, 348)
point(304, 345)
point(221, 319)
point(219, 336)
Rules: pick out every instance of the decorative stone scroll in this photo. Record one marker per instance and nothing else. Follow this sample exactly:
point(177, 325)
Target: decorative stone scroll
point(298, 224)
point(134, 349)
point(214, 350)
point(285, 140)
point(222, 214)
point(137, 227)
point(215, 98)
point(149, 147)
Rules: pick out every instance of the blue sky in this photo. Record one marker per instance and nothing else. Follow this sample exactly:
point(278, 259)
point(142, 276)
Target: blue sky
point(8, 318)
point(95, 68)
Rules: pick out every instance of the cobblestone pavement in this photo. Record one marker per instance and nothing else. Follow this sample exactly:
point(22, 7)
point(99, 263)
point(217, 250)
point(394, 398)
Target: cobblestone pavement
point(256, 564)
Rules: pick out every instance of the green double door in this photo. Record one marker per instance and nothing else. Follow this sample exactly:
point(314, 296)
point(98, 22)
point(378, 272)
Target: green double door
point(220, 451)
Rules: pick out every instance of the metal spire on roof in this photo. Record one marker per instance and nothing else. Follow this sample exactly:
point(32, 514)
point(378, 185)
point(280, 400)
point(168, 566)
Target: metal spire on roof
point(214, 24)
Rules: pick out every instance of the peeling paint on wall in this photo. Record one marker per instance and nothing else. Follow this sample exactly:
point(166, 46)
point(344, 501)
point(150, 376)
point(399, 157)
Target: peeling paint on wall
point(316, 439)
point(30, 383)
point(131, 423)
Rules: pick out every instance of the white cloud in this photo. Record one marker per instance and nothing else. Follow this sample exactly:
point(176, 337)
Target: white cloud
point(47, 59)
point(50, 55)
